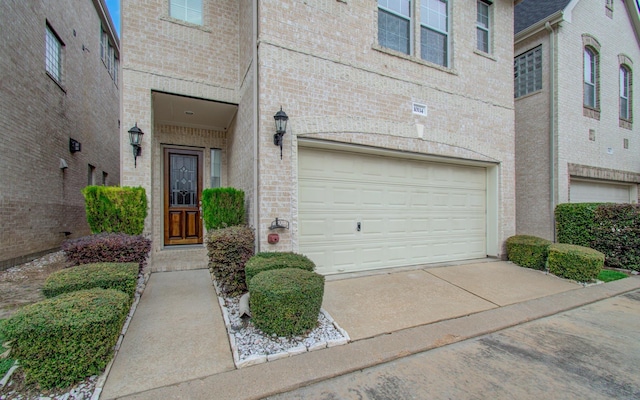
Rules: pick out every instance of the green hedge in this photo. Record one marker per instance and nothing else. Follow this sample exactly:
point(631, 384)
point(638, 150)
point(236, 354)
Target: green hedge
point(286, 302)
point(119, 276)
point(528, 251)
point(222, 207)
point(617, 235)
point(579, 263)
point(228, 250)
point(115, 209)
point(267, 261)
point(575, 222)
point(107, 247)
point(63, 340)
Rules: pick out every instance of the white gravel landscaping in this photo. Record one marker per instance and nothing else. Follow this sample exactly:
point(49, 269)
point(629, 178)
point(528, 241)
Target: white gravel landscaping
point(251, 346)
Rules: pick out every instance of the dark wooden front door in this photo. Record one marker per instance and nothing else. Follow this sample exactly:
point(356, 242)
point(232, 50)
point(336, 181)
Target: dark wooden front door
point(182, 191)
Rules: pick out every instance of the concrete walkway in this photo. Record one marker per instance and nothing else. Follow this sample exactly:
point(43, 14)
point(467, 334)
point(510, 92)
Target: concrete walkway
point(177, 348)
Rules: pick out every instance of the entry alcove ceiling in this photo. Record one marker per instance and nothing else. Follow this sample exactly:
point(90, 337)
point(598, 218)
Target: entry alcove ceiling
point(192, 112)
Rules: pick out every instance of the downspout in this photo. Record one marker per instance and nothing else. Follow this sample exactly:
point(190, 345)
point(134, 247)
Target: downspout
point(552, 124)
point(256, 141)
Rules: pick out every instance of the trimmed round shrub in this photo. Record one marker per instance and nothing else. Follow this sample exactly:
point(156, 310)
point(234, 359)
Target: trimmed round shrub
point(267, 261)
point(528, 251)
point(286, 302)
point(579, 263)
point(63, 340)
point(119, 276)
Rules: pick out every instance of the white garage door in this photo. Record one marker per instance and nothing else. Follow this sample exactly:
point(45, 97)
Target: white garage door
point(361, 212)
point(598, 192)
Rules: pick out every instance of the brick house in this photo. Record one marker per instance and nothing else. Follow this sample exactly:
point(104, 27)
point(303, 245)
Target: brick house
point(399, 148)
point(576, 138)
point(59, 120)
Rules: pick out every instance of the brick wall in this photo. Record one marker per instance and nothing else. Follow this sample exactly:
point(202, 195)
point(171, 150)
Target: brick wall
point(320, 60)
point(574, 145)
point(532, 118)
point(38, 200)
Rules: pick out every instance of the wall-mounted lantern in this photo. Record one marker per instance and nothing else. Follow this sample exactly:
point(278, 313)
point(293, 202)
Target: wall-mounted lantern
point(74, 146)
point(135, 138)
point(281, 128)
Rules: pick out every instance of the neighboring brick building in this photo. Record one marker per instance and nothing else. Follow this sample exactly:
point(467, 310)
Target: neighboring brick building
point(576, 138)
point(399, 148)
point(59, 81)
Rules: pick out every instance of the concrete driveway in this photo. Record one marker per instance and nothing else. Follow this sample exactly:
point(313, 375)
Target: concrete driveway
point(592, 352)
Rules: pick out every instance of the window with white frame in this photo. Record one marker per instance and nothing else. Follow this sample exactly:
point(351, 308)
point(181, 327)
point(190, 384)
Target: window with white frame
point(434, 31)
point(53, 55)
point(590, 78)
point(216, 173)
point(527, 71)
point(482, 26)
point(186, 10)
point(394, 25)
point(104, 46)
point(625, 93)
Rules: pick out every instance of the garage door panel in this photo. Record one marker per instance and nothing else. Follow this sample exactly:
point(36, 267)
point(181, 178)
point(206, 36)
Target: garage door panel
point(599, 192)
point(411, 212)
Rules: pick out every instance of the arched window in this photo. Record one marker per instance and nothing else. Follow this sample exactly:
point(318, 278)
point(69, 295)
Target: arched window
point(625, 93)
point(590, 78)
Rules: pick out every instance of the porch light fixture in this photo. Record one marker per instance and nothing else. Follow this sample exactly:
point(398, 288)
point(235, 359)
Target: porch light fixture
point(281, 128)
point(135, 138)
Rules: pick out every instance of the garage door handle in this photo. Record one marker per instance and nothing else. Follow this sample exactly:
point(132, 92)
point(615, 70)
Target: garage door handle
point(358, 226)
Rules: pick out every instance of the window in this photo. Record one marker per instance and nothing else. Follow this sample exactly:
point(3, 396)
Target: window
point(434, 31)
point(482, 26)
point(625, 93)
point(394, 25)
point(53, 55)
point(104, 178)
point(216, 156)
point(91, 175)
point(590, 77)
point(186, 10)
point(527, 70)
point(116, 67)
point(104, 43)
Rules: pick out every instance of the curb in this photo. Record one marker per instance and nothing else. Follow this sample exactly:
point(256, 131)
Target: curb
point(305, 369)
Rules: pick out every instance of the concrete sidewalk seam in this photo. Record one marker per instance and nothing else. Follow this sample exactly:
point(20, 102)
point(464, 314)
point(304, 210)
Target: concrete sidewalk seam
point(293, 373)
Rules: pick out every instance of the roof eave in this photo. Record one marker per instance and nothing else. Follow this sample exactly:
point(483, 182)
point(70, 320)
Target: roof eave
point(533, 29)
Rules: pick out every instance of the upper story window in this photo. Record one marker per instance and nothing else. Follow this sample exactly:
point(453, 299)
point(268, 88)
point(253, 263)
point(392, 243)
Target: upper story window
point(394, 25)
point(527, 71)
point(186, 10)
point(53, 55)
point(625, 93)
point(109, 56)
point(590, 78)
point(434, 31)
point(482, 26)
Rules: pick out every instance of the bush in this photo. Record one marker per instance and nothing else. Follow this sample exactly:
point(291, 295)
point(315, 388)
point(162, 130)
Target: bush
point(119, 276)
point(528, 251)
point(575, 222)
point(267, 261)
point(62, 340)
point(286, 302)
point(229, 249)
point(222, 207)
point(115, 209)
point(579, 263)
point(617, 235)
point(107, 247)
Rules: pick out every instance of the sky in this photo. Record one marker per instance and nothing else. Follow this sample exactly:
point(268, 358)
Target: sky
point(114, 11)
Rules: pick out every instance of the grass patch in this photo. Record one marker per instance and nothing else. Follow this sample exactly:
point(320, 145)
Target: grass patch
point(5, 363)
point(607, 275)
